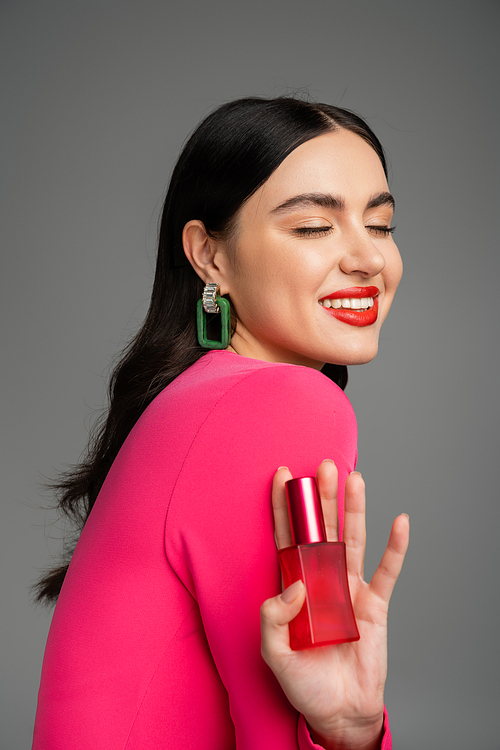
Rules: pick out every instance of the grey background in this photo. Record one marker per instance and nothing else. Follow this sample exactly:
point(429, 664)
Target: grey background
point(96, 99)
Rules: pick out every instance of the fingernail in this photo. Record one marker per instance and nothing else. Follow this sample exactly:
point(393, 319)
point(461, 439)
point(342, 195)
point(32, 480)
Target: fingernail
point(292, 592)
point(406, 514)
point(329, 460)
point(356, 472)
point(281, 467)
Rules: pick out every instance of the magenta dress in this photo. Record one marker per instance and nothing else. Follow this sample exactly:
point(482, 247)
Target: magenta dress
point(155, 639)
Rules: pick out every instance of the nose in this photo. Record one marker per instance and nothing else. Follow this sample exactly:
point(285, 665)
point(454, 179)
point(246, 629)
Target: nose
point(361, 255)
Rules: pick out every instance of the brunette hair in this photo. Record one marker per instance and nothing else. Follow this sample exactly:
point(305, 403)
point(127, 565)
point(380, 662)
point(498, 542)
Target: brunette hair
point(226, 159)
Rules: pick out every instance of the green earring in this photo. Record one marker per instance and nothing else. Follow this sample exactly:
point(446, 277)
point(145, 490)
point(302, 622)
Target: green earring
point(211, 303)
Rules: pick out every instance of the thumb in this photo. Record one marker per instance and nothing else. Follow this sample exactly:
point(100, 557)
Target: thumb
point(275, 614)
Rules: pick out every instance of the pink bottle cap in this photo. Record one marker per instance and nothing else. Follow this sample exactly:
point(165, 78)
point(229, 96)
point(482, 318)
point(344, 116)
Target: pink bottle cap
point(304, 508)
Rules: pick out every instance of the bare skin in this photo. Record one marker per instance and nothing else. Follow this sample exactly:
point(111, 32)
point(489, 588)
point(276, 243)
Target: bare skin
point(339, 689)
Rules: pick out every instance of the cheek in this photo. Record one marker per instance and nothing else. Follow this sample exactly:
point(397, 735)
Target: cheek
point(274, 276)
point(265, 273)
point(254, 291)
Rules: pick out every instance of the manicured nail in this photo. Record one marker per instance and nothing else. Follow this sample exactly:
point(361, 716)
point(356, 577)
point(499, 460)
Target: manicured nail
point(292, 592)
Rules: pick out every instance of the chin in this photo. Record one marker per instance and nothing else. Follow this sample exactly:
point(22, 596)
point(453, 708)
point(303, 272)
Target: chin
point(355, 355)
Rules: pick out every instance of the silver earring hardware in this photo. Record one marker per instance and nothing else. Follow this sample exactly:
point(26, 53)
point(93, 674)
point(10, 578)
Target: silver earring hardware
point(208, 298)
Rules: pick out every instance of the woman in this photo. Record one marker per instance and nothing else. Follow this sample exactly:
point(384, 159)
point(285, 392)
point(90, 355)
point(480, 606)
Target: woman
point(282, 208)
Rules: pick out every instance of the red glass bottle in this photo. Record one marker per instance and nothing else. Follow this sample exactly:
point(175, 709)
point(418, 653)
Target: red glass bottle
point(326, 616)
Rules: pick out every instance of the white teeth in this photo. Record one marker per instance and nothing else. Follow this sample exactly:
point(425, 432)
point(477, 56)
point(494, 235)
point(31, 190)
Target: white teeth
point(353, 303)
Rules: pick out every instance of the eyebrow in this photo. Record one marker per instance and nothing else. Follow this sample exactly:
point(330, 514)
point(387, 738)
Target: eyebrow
point(325, 200)
point(382, 199)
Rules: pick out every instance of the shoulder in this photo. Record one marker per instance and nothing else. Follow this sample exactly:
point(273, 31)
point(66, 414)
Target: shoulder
point(220, 378)
point(261, 415)
point(299, 391)
point(262, 402)
point(244, 404)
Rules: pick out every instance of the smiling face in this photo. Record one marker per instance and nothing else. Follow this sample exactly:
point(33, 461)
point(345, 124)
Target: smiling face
point(314, 268)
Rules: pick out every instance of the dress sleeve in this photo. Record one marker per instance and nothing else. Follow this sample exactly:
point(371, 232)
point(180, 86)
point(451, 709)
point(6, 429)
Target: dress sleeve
point(219, 536)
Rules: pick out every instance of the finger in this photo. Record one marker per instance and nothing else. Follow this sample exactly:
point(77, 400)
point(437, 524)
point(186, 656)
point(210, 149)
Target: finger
point(275, 614)
point(280, 508)
point(386, 575)
point(355, 523)
point(327, 479)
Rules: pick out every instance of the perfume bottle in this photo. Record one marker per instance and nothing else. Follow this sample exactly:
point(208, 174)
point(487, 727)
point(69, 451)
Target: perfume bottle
point(326, 615)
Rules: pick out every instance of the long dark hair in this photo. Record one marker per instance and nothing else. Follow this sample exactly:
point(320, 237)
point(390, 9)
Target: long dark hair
point(227, 158)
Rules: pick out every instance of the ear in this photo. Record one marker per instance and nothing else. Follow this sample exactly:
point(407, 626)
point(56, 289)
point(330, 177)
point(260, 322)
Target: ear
point(204, 253)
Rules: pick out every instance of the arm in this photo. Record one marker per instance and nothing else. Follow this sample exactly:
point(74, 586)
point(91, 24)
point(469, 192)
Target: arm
point(219, 531)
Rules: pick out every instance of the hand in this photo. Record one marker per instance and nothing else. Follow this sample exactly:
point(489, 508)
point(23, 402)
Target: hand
point(339, 689)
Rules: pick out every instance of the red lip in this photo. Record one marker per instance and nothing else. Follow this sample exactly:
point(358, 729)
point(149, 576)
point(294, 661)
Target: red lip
point(355, 318)
point(354, 291)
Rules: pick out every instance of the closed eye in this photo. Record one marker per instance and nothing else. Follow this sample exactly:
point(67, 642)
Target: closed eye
point(381, 231)
point(312, 231)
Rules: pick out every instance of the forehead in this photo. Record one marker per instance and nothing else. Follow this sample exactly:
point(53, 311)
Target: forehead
point(340, 163)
